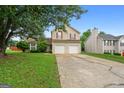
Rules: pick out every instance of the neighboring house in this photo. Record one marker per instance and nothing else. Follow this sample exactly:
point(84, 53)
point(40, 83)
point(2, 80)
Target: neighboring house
point(33, 44)
point(104, 43)
point(66, 42)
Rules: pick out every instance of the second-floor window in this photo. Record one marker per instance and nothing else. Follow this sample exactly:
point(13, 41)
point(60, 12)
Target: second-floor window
point(114, 43)
point(72, 36)
point(59, 35)
point(104, 43)
point(109, 42)
point(122, 43)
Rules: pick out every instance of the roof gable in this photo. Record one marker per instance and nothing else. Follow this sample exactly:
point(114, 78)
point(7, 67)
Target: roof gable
point(118, 37)
point(74, 29)
point(66, 27)
point(110, 37)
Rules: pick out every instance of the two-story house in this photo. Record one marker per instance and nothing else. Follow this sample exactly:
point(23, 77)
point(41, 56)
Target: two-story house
point(66, 42)
point(104, 43)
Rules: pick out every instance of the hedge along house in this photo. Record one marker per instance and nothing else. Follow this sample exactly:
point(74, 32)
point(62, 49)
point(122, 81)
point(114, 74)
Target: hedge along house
point(66, 42)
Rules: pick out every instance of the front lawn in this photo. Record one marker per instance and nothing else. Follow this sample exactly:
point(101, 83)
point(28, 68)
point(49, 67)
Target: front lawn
point(107, 56)
point(29, 70)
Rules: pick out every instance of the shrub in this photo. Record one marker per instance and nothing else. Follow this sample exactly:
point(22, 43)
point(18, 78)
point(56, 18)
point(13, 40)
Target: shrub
point(34, 51)
point(42, 46)
point(23, 45)
point(113, 53)
point(117, 54)
point(107, 53)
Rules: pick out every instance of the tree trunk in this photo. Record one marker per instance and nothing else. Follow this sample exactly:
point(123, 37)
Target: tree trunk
point(3, 46)
point(3, 49)
point(5, 36)
point(23, 50)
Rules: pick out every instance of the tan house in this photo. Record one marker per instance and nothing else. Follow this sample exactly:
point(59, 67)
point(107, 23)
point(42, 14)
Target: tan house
point(33, 44)
point(66, 42)
point(104, 43)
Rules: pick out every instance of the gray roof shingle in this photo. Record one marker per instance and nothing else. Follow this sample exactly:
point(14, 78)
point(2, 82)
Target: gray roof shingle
point(118, 37)
point(110, 37)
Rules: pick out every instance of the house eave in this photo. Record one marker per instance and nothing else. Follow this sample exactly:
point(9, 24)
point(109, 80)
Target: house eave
point(65, 41)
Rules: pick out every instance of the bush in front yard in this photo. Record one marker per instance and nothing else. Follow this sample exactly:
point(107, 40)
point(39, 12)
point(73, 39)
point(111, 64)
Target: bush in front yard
point(42, 46)
point(34, 51)
point(117, 54)
point(113, 53)
point(23, 45)
point(107, 53)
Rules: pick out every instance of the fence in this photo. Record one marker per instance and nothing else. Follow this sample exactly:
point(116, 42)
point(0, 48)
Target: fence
point(14, 48)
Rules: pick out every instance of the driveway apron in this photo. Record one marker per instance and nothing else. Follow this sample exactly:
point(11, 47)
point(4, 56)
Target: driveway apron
point(82, 71)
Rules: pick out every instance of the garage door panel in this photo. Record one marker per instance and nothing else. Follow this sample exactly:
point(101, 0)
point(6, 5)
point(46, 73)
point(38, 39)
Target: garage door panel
point(59, 49)
point(73, 49)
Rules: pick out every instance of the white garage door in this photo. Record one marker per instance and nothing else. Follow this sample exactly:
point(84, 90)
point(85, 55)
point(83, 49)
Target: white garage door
point(73, 49)
point(59, 49)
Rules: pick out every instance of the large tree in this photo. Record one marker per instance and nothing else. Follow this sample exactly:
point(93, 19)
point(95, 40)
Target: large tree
point(84, 37)
point(28, 21)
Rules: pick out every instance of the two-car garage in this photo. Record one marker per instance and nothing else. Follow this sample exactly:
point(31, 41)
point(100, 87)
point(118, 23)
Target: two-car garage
point(66, 49)
point(59, 49)
point(73, 49)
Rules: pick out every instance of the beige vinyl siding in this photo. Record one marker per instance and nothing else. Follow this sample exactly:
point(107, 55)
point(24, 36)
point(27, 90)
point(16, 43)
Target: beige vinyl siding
point(100, 45)
point(91, 43)
point(96, 44)
point(121, 48)
point(70, 40)
point(66, 34)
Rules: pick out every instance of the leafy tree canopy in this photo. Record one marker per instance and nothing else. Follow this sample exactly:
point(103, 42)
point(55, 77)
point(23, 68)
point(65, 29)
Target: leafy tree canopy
point(101, 32)
point(30, 21)
point(84, 37)
point(12, 42)
point(23, 45)
point(42, 46)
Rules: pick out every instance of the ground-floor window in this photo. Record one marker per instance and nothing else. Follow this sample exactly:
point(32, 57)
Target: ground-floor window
point(33, 46)
point(104, 51)
point(109, 51)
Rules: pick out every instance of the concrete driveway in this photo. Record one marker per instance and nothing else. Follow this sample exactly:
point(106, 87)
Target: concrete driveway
point(82, 71)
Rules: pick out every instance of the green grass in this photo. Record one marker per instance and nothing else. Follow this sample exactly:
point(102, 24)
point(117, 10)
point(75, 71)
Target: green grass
point(116, 58)
point(29, 70)
point(10, 51)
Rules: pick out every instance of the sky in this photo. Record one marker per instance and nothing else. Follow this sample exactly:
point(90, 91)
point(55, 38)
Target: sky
point(109, 19)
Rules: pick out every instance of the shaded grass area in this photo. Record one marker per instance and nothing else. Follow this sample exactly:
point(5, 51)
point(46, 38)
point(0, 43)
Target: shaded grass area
point(116, 58)
point(25, 70)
